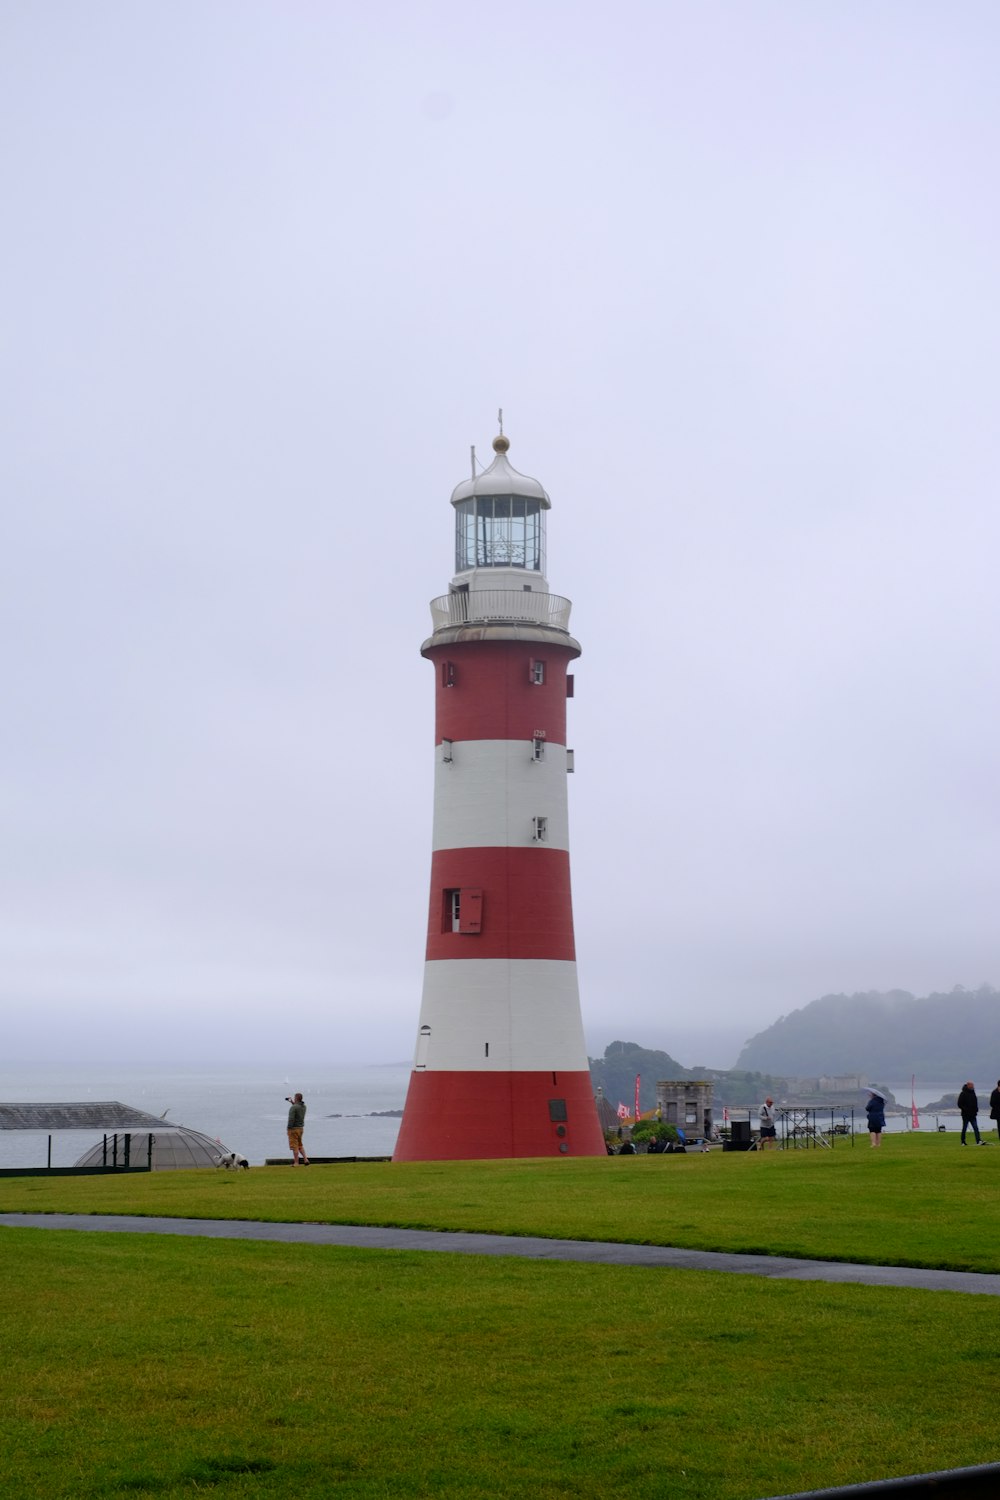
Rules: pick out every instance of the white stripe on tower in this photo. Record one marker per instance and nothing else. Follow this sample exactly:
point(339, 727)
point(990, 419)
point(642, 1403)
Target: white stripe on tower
point(501, 1066)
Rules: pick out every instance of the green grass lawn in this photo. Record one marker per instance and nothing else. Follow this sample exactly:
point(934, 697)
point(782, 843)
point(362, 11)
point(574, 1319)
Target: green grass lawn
point(141, 1366)
point(922, 1200)
point(168, 1367)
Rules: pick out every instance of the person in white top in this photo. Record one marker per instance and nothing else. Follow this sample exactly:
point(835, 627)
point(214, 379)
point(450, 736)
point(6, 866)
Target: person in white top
point(768, 1128)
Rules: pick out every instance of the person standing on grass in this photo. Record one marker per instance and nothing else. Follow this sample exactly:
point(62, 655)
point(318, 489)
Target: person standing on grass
point(875, 1110)
point(969, 1106)
point(768, 1126)
point(995, 1105)
point(296, 1124)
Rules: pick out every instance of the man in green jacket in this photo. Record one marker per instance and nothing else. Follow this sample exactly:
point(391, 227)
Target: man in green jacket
point(296, 1124)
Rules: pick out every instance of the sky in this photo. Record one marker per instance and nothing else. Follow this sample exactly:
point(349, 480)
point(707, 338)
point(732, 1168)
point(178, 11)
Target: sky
point(269, 270)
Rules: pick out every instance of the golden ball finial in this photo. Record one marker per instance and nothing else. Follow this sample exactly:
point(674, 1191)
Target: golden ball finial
point(501, 444)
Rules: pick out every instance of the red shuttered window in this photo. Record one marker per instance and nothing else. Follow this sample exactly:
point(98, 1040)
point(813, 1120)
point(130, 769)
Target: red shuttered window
point(463, 910)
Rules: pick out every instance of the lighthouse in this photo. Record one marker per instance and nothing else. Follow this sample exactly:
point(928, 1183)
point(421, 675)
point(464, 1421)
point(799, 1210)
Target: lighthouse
point(500, 1067)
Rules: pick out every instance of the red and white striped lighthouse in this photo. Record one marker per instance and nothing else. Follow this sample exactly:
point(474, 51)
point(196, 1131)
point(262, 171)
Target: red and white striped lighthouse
point(501, 1066)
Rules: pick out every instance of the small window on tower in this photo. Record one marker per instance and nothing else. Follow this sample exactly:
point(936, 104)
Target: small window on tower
point(537, 673)
point(569, 684)
point(540, 830)
point(447, 674)
point(570, 758)
point(423, 1047)
point(538, 747)
point(446, 751)
point(463, 910)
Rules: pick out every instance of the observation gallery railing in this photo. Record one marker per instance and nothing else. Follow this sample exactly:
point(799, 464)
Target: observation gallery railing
point(485, 605)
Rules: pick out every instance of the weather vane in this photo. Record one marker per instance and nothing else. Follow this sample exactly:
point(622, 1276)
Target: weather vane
point(500, 420)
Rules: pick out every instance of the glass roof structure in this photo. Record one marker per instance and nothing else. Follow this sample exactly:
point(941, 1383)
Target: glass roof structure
point(173, 1151)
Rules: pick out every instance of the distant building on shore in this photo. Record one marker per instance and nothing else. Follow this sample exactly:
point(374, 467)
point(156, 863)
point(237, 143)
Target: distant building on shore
point(686, 1103)
point(843, 1083)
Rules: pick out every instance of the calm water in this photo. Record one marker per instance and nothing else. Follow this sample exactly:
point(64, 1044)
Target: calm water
point(925, 1094)
point(243, 1107)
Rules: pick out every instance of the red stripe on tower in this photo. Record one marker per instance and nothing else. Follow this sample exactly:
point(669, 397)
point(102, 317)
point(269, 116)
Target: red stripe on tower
point(501, 1066)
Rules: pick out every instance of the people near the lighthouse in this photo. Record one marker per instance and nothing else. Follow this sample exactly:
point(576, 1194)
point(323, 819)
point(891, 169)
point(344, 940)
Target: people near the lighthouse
point(768, 1124)
point(296, 1125)
point(875, 1110)
point(968, 1105)
point(995, 1105)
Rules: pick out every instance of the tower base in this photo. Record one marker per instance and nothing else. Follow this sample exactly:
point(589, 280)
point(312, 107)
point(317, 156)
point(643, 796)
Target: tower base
point(467, 1116)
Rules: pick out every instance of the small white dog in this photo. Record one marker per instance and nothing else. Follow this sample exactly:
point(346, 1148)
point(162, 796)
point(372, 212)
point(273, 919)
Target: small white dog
point(233, 1162)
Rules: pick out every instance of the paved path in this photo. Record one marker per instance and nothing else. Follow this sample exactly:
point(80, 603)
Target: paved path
point(599, 1253)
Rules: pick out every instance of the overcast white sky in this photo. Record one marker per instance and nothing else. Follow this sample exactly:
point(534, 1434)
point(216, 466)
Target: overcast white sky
point(268, 270)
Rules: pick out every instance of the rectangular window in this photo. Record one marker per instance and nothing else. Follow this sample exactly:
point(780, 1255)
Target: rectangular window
point(447, 674)
point(537, 674)
point(446, 752)
point(540, 830)
point(570, 760)
point(423, 1047)
point(557, 1110)
point(538, 747)
point(569, 684)
point(463, 910)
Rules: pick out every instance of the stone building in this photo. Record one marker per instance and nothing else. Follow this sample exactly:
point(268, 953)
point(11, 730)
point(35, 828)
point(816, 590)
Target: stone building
point(687, 1104)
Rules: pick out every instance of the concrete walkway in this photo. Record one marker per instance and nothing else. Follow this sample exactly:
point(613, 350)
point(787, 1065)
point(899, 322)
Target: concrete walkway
point(598, 1253)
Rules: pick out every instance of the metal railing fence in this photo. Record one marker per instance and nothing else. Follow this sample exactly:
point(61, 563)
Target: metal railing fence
point(497, 605)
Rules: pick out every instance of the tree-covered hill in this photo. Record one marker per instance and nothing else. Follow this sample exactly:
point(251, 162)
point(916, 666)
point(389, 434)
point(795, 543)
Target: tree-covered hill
point(616, 1071)
point(885, 1035)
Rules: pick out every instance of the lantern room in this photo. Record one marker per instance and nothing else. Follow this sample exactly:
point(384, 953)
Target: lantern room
point(500, 524)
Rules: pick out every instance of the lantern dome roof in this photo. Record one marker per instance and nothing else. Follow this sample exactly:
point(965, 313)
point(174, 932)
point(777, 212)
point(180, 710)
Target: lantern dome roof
point(501, 478)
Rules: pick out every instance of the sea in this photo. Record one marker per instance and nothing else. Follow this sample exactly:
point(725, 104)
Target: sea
point(352, 1111)
point(243, 1107)
point(920, 1094)
point(923, 1094)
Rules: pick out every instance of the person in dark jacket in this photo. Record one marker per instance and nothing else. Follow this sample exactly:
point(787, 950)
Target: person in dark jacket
point(969, 1106)
point(995, 1105)
point(296, 1124)
point(875, 1110)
